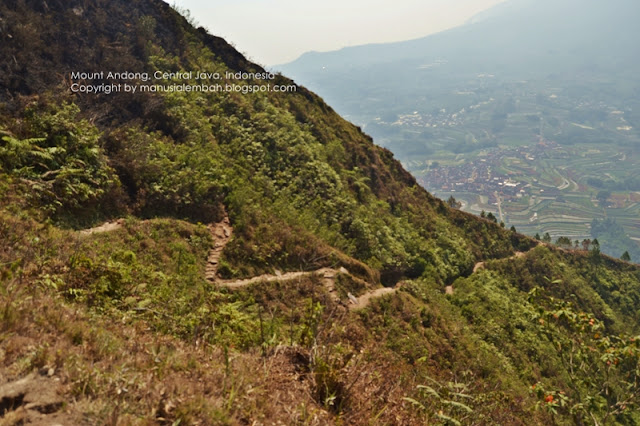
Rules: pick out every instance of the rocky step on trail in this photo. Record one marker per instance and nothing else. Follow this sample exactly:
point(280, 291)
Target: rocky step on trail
point(221, 233)
point(34, 399)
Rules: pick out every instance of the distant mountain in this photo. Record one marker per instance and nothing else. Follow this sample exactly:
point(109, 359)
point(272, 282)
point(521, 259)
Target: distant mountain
point(519, 39)
point(500, 9)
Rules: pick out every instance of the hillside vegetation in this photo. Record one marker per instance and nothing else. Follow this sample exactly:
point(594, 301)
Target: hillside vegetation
point(121, 324)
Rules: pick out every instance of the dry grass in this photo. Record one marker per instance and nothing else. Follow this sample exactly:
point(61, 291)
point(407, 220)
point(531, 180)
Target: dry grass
point(112, 364)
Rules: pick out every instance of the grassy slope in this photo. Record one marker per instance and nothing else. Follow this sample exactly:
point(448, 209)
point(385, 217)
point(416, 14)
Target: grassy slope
point(304, 189)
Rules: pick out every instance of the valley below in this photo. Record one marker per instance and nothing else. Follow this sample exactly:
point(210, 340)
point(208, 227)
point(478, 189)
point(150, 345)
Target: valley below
point(537, 157)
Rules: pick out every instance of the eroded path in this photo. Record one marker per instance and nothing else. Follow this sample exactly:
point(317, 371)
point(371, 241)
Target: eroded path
point(221, 233)
point(328, 278)
point(105, 227)
point(289, 276)
point(364, 300)
point(480, 265)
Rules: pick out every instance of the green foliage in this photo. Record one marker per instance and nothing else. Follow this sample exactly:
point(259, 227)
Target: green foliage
point(64, 165)
point(614, 239)
point(164, 178)
point(603, 368)
point(310, 323)
point(272, 160)
point(453, 203)
point(564, 242)
point(602, 197)
point(158, 277)
point(16, 154)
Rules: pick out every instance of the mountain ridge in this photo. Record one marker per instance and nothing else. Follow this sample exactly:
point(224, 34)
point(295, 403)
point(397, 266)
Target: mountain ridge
point(479, 39)
point(128, 324)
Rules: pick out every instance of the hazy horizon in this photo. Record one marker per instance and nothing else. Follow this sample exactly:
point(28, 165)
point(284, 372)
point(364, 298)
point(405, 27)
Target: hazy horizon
point(279, 31)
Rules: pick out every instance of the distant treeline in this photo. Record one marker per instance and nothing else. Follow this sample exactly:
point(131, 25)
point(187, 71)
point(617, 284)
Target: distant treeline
point(628, 184)
point(613, 239)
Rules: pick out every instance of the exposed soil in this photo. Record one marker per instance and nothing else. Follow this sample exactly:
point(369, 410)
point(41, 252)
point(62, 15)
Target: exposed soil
point(480, 265)
point(364, 300)
point(105, 227)
point(328, 278)
point(221, 233)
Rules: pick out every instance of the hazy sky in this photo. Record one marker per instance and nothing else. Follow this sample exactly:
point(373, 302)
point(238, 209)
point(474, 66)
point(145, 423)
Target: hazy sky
point(277, 31)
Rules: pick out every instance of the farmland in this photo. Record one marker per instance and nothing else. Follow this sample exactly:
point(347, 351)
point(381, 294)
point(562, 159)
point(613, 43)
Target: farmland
point(539, 158)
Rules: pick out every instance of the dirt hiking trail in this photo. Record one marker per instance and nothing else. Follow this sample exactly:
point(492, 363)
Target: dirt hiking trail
point(105, 227)
point(221, 233)
point(480, 265)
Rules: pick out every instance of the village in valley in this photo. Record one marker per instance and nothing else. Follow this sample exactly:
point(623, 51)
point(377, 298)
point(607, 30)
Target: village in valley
point(538, 188)
point(485, 175)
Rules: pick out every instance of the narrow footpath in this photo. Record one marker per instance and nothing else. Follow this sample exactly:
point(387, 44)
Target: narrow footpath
point(222, 233)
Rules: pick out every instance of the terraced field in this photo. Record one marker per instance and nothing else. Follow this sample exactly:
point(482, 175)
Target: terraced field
point(557, 195)
point(546, 150)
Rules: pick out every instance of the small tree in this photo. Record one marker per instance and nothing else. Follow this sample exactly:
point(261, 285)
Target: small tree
point(595, 253)
point(537, 236)
point(603, 197)
point(453, 203)
point(625, 256)
point(546, 237)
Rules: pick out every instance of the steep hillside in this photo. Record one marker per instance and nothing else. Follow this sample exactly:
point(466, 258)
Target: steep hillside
point(251, 258)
